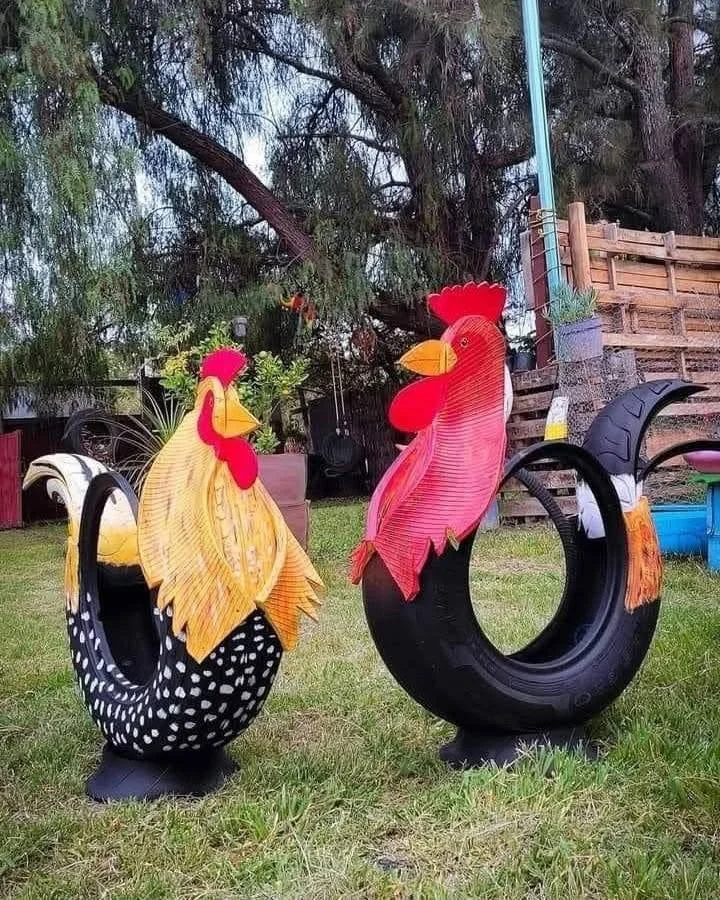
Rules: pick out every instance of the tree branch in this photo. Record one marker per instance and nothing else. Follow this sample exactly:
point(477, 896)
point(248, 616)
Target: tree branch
point(567, 48)
point(332, 135)
point(523, 197)
point(264, 47)
point(507, 158)
point(216, 157)
point(416, 318)
point(393, 183)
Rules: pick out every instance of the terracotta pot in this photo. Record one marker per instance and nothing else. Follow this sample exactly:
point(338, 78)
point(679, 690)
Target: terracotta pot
point(285, 477)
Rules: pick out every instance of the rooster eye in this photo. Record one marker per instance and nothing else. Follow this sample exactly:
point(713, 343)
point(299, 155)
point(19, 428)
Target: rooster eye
point(464, 342)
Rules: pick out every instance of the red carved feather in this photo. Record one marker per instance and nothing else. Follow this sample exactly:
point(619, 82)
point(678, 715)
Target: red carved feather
point(443, 482)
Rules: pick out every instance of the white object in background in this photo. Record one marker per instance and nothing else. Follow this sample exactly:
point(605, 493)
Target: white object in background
point(556, 424)
point(508, 397)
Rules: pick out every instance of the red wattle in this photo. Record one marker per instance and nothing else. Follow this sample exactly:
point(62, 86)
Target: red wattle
point(241, 460)
point(415, 406)
point(235, 452)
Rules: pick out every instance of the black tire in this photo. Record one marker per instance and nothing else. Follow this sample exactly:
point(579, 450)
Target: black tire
point(143, 690)
point(615, 436)
point(582, 661)
point(647, 468)
point(545, 645)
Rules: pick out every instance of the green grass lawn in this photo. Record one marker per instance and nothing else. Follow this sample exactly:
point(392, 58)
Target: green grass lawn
point(340, 792)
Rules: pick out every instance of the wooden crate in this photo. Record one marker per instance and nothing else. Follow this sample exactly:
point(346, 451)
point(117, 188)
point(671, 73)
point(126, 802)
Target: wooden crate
point(659, 297)
point(534, 392)
point(658, 294)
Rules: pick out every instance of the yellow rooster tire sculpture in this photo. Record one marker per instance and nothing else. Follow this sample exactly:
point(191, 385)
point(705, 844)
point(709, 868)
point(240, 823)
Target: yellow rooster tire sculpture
point(179, 607)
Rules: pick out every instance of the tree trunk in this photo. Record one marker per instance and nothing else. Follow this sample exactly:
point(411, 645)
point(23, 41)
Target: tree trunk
point(689, 136)
point(662, 176)
point(481, 210)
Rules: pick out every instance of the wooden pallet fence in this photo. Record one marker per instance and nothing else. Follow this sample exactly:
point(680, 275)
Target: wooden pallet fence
point(533, 395)
point(658, 294)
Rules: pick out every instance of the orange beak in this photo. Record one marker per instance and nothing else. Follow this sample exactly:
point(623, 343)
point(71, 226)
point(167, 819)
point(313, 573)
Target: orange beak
point(230, 418)
point(430, 358)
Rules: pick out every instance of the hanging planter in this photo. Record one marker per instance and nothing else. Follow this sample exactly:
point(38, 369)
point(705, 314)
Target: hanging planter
point(577, 330)
point(341, 452)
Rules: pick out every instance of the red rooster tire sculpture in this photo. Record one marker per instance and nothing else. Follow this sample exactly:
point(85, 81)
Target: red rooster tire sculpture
point(583, 659)
point(427, 634)
point(179, 606)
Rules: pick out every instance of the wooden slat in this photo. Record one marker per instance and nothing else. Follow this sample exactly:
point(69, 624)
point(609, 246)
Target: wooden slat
point(695, 377)
point(647, 237)
point(526, 257)
point(639, 275)
point(660, 439)
point(579, 246)
point(535, 428)
point(659, 300)
point(670, 341)
point(511, 509)
point(679, 255)
point(532, 402)
point(691, 409)
point(552, 480)
point(524, 381)
point(631, 236)
point(698, 242)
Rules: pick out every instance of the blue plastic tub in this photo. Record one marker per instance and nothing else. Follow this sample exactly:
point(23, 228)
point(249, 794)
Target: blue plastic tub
point(682, 528)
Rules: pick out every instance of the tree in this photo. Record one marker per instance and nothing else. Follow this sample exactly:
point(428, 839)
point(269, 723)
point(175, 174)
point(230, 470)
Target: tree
point(389, 164)
point(397, 138)
point(636, 89)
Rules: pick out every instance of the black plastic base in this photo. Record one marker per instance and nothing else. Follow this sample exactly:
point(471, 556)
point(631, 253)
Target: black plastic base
point(469, 749)
point(190, 775)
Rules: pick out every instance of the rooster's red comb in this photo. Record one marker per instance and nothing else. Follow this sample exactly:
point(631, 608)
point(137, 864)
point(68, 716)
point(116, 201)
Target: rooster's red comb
point(471, 299)
point(225, 364)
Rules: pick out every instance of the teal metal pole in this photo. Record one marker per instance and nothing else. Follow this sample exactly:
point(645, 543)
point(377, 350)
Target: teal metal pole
point(541, 132)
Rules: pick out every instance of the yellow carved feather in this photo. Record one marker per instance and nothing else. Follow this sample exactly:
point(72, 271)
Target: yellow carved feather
point(217, 552)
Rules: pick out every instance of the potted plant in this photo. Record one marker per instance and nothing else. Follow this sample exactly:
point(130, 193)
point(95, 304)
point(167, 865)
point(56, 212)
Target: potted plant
point(578, 331)
point(265, 389)
point(523, 357)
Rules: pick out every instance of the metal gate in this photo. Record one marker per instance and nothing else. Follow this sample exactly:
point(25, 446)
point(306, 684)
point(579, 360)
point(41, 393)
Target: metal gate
point(10, 487)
